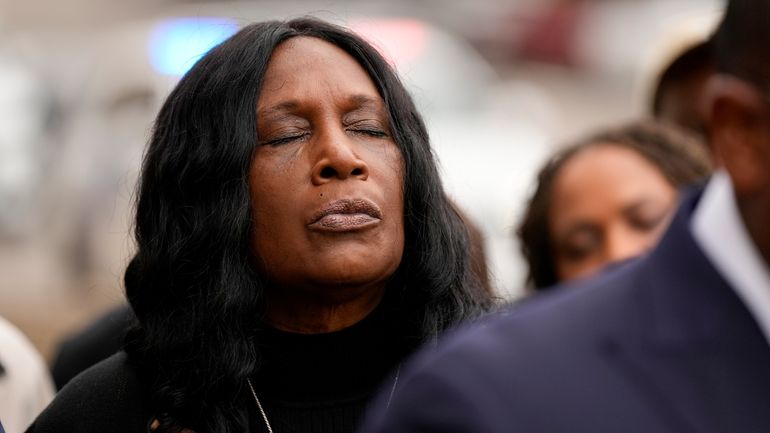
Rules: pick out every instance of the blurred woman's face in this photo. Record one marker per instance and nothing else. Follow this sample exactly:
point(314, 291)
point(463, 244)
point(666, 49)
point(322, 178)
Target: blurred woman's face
point(608, 204)
point(327, 177)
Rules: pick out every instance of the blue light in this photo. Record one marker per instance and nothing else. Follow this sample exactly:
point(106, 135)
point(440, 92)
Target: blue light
point(176, 44)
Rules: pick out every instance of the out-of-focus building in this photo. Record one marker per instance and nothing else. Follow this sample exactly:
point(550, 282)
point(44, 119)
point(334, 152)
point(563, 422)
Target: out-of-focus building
point(500, 84)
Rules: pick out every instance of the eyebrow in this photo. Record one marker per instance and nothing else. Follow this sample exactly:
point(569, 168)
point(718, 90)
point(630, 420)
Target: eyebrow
point(360, 101)
point(366, 105)
point(642, 203)
point(366, 101)
point(280, 108)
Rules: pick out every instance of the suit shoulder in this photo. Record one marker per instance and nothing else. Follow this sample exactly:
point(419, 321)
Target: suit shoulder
point(109, 396)
point(576, 316)
point(501, 369)
point(585, 305)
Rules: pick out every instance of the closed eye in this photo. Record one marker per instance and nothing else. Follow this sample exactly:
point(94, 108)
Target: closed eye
point(369, 132)
point(365, 126)
point(284, 140)
point(647, 222)
point(579, 243)
point(646, 215)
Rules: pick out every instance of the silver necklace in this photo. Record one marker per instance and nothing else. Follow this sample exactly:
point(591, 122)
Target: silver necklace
point(264, 415)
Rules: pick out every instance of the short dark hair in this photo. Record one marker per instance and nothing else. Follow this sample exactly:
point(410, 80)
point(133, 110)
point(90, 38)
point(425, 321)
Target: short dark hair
point(685, 67)
point(742, 42)
point(193, 284)
point(679, 156)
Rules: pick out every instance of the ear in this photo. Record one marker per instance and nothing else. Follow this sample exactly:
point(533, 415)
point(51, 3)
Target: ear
point(739, 125)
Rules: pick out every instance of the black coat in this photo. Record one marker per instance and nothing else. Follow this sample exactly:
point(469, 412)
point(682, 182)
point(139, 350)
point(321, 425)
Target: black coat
point(108, 397)
point(98, 341)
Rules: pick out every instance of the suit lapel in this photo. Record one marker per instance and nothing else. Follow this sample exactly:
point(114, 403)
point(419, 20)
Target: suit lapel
point(697, 355)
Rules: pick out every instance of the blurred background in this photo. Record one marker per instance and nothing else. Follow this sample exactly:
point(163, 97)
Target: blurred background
point(501, 83)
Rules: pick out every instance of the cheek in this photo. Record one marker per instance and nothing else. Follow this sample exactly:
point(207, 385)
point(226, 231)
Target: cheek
point(266, 228)
point(654, 235)
point(392, 188)
point(272, 209)
point(396, 196)
point(265, 202)
point(388, 168)
point(391, 174)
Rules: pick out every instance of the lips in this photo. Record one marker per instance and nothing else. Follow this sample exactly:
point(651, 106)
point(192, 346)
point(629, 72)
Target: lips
point(346, 215)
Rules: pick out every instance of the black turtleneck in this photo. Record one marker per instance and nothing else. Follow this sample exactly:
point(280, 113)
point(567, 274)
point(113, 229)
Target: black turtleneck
point(319, 383)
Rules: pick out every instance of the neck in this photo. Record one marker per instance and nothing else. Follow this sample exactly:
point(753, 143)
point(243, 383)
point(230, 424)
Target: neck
point(310, 313)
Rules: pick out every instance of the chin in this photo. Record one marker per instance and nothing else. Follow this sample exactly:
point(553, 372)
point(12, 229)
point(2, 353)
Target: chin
point(350, 278)
point(357, 264)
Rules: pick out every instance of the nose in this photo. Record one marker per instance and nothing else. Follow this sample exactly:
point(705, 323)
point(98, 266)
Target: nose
point(337, 159)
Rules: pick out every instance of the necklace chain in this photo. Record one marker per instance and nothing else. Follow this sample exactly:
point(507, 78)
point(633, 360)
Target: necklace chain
point(264, 415)
point(259, 406)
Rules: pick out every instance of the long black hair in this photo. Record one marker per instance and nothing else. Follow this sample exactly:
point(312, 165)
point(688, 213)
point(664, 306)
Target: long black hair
point(197, 295)
point(678, 154)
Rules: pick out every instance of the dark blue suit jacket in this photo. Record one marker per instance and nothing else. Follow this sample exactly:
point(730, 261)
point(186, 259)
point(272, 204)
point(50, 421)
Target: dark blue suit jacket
point(661, 344)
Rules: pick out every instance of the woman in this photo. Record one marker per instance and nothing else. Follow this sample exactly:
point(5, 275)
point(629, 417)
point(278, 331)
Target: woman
point(606, 199)
point(294, 244)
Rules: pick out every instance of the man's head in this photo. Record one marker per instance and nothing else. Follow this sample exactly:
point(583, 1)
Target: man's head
point(739, 111)
point(679, 92)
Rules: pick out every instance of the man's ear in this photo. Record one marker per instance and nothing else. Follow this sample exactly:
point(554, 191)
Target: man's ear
point(739, 127)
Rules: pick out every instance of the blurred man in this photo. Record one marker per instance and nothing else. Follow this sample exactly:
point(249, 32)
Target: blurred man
point(681, 86)
point(674, 342)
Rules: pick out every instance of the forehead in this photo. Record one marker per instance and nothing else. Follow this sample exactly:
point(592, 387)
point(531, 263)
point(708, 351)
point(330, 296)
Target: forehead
point(605, 175)
point(307, 67)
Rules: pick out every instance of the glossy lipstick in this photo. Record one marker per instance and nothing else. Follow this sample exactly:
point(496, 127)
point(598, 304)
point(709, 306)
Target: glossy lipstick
point(346, 215)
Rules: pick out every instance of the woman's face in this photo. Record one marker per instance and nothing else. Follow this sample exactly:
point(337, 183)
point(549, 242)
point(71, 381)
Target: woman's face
point(327, 178)
point(608, 203)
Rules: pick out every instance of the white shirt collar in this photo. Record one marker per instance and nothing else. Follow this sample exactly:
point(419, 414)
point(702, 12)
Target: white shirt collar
point(719, 231)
